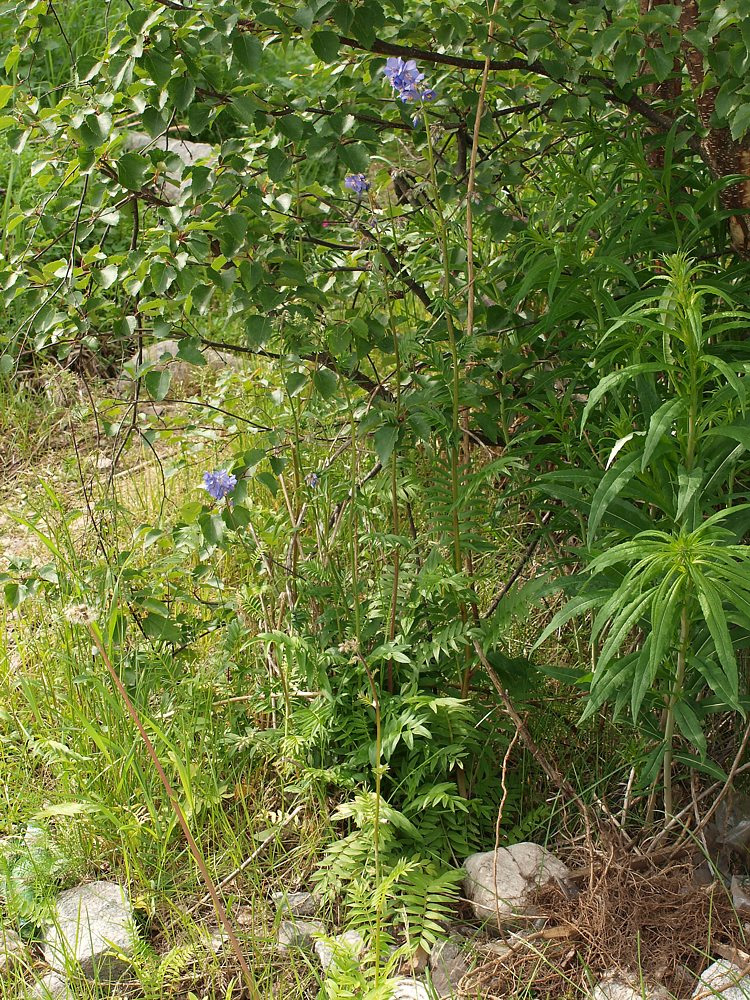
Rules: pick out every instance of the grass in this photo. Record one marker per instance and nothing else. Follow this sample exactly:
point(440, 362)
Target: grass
point(69, 757)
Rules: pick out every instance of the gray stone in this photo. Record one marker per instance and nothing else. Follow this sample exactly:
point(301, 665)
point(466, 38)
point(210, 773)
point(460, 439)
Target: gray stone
point(12, 948)
point(498, 949)
point(449, 963)
point(350, 944)
point(615, 989)
point(53, 986)
point(298, 934)
point(410, 989)
point(189, 152)
point(298, 904)
point(616, 986)
point(162, 355)
point(740, 895)
point(718, 977)
point(92, 927)
point(499, 883)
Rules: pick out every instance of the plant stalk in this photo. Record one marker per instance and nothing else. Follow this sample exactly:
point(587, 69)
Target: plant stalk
point(669, 724)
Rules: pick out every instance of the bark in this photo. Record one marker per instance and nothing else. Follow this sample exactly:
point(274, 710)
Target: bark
point(665, 91)
point(724, 155)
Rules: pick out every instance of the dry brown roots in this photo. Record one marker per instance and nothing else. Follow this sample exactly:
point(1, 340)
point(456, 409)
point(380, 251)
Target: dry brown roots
point(635, 914)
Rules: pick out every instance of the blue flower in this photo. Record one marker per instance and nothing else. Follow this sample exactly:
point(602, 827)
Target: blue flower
point(312, 480)
point(219, 484)
point(404, 75)
point(406, 80)
point(357, 182)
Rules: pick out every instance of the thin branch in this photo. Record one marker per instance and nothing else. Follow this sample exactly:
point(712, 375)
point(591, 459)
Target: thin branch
point(319, 357)
point(248, 861)
point(442, 58)
point(551, 769)
point(520, 566)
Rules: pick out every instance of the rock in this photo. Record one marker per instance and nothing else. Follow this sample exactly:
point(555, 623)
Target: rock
point(499, 883)
point(93, 926)
point(189, 152)
point(298, 934)
point(498, 949)
point(615, 986)
point(53, 986)
point(410, 989)
point(163, 353)
point(449, 963)
point(615, 989)
point(298, 904)
point(718, 977)
point(350, 945)
point(12, 948)
point(740, 895)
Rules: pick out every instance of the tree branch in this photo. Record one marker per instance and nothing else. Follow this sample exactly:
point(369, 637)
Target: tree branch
point(318, 357)
point(441, 58)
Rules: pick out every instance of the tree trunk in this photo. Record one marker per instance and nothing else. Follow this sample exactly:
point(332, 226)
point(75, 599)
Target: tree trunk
point(724, 155)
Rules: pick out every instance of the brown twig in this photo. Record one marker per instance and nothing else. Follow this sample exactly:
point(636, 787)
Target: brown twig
point(551, 770)
point(228, 879)
point(519, 568)
point(735, 770)
point(498, 823)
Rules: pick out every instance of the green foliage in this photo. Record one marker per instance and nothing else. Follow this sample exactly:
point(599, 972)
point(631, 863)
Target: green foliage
point(31, 868)
point(666, 517)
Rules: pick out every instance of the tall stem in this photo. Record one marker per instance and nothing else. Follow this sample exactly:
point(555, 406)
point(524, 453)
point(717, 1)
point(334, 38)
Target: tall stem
point(378, 783)
point(395, 517)
point(453, 347)
point(674, 696)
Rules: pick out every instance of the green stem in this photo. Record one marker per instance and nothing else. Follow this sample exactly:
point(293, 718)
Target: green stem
point(453, 347)
point(670, 719)
point(376, 832)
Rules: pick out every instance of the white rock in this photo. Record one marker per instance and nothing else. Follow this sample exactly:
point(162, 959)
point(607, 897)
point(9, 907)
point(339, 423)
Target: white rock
point(720, 975)
point(53, 986)
point(499, 883)
point(12, 948)
point(163, 353)
point(615, 986)
point(615, 989)
point(350, 944)
point(189, 152)
point(298, 904)
point(410, 989)
point(299, 934)
point(93, 926)
point(449, 963)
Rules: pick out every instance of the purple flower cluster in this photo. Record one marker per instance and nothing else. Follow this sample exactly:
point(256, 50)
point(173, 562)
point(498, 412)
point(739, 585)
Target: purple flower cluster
point(312, 480)
point(219, 484)
point(406, 80)
point(357, 183)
